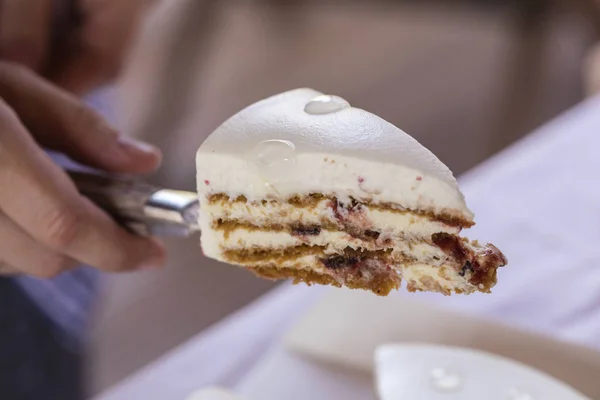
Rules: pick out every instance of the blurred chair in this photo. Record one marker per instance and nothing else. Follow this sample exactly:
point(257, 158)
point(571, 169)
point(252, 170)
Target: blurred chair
point(591, 67)
point(592, 71)
point(531, 28)
point(526, 66)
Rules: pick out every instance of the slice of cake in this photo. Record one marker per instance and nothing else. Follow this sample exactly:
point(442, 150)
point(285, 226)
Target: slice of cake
point(303, 186)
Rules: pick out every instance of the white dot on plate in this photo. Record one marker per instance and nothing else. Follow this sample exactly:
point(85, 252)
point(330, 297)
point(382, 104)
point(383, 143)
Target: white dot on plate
point(325, 104)
point(444, 380)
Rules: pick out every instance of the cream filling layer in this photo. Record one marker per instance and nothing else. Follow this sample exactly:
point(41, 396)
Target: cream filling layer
point(330, 174)
point(404, 224)
point(419, 275)
point(335, 243)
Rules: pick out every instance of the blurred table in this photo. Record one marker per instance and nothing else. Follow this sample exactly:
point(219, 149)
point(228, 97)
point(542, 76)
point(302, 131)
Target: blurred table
point(539, 201)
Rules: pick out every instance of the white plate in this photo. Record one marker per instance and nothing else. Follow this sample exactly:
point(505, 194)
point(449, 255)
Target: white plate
point(432, 372)
point(346, 327)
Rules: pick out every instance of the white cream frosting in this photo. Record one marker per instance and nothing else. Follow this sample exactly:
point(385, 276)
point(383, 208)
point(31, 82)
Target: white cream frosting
point(275, 148)
point(409, 225)
point(335, 242)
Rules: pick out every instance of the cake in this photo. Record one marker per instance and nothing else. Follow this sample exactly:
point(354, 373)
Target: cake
point(304, 186)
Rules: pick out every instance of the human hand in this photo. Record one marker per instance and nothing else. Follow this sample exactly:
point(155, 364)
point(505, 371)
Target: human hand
point(46, 226)
point(77, 44)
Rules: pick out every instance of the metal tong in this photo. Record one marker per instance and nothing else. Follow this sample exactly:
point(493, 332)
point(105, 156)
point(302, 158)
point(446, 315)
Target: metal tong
point(139, 207)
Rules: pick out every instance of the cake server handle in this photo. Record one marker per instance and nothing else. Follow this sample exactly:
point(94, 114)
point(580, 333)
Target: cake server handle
point(141, 208)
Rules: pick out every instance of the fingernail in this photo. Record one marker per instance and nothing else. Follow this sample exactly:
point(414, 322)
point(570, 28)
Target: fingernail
point(138, 156)
point(135, 147)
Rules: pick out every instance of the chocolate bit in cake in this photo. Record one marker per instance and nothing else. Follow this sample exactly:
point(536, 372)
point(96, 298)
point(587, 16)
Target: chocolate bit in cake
point(337, 262)
point(353, 219)
point(467, 267)
point(451, 245)
point(363, 270)
point(487, 264)
point(302, 230)
point(353, 205)
point(372, 234)
point(483, 264)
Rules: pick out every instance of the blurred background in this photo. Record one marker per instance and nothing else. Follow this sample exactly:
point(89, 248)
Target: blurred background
point(466, 78)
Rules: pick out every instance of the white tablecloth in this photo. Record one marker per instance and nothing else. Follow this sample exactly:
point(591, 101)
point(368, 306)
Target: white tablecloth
point(538, 201)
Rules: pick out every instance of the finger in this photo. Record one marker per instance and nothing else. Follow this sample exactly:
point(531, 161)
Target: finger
point(25, 31)
point(38, 196)
point(60, 121)
point(22, 254)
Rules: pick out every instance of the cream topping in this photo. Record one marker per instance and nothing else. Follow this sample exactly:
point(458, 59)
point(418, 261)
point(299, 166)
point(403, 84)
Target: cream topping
point(275, 148)
point(408, 224)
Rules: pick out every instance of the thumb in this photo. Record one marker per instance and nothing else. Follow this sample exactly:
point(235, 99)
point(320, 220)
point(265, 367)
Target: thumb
point(60, 121)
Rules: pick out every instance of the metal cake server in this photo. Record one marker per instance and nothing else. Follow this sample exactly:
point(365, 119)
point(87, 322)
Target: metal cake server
point(139, 207)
